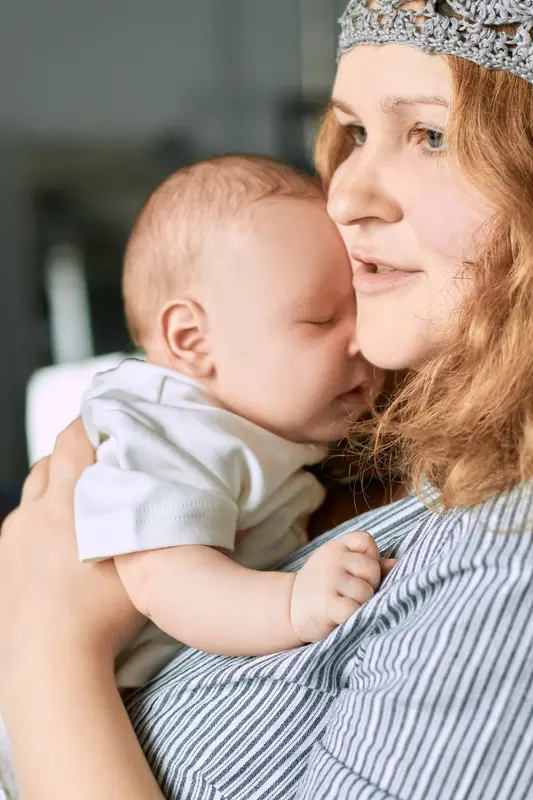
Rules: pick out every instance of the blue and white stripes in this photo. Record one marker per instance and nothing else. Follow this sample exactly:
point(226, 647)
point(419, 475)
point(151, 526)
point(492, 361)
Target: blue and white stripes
point(426, 693)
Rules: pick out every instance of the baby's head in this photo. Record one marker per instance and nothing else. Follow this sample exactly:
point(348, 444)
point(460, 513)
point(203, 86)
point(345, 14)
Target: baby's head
point(235, 276)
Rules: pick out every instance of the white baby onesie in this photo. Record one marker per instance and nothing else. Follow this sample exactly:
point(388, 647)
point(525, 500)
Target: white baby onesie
point(173, 468)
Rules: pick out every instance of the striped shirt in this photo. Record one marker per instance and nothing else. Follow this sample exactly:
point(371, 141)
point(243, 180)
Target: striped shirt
point(426, 693)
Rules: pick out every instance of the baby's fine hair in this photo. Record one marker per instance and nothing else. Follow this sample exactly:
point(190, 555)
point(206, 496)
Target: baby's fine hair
point(164, 252)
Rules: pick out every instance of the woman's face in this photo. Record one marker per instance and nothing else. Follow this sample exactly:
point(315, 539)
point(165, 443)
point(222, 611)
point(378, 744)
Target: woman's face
point(407, 216)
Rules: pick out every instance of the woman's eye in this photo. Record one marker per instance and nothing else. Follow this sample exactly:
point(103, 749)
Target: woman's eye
point(358, 134)
point(433, 140)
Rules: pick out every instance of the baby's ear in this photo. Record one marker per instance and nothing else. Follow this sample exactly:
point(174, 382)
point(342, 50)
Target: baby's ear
point(184, 328)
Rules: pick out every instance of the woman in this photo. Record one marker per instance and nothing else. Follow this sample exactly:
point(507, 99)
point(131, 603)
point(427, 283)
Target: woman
point(426, 692)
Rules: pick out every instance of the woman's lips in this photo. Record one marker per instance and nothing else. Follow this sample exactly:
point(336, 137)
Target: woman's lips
point(371, 278)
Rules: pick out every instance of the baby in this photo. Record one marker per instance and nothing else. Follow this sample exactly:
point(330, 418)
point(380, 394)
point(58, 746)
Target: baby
point(238, 288)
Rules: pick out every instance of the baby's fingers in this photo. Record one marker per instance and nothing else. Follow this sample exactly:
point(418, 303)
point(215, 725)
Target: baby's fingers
point(355, 589)
point(361, 542)
point(341, 609)
point(363, 567)
point(387, 564)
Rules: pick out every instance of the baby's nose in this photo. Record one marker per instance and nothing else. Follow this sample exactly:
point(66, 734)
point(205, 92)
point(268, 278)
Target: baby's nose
point(353, 347)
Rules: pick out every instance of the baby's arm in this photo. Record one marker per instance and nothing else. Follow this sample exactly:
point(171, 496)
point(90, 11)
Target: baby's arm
point(202, 598)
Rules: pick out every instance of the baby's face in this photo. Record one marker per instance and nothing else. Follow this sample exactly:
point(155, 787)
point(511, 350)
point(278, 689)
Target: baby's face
point(281, 312)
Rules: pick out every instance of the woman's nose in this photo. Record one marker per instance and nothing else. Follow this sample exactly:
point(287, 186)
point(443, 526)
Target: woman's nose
point(358, 191)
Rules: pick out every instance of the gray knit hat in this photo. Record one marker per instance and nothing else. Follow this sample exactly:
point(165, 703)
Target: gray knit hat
point(477, 30)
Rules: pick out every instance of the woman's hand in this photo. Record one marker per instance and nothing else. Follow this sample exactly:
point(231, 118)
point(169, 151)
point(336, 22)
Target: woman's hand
point(61, 625)
point(49, 602)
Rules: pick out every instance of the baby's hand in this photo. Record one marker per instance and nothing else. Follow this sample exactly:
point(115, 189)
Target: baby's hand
point(334, 583)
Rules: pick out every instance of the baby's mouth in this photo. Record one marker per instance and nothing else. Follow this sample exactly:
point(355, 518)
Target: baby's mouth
point(358, 395)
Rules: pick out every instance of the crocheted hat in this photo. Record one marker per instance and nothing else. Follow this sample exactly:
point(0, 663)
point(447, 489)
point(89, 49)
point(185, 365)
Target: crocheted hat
point(495, 34)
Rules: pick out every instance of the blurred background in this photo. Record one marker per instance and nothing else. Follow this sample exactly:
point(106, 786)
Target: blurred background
point(99, 101)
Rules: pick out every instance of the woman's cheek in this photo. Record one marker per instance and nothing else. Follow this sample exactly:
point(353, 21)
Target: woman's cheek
point(450, 220)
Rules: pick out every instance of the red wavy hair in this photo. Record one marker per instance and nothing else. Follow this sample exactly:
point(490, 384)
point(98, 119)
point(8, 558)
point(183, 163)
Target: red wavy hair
point(464, 421)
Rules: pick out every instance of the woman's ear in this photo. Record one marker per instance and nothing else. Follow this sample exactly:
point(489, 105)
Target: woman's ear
point(184, 327)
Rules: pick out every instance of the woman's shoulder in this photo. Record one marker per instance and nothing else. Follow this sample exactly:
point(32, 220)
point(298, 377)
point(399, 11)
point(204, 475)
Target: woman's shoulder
point(497, 530)
point(508, 513)
point(486, 537)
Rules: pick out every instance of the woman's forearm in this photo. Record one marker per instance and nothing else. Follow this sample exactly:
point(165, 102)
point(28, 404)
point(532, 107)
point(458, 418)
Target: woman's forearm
point(71, 736)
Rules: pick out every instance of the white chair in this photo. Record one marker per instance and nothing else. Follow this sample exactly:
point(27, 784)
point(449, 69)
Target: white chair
point(53, 399)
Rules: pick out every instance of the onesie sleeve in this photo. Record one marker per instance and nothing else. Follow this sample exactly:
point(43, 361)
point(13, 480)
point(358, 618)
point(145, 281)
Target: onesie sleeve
point(146, 492)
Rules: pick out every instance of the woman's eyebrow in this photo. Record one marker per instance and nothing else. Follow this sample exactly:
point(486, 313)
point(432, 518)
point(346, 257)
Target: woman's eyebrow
point(341, 106)
point(390, 105)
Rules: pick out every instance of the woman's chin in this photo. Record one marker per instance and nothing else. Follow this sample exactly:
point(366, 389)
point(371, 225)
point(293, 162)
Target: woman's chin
point(395, 341)
point(391, 353)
